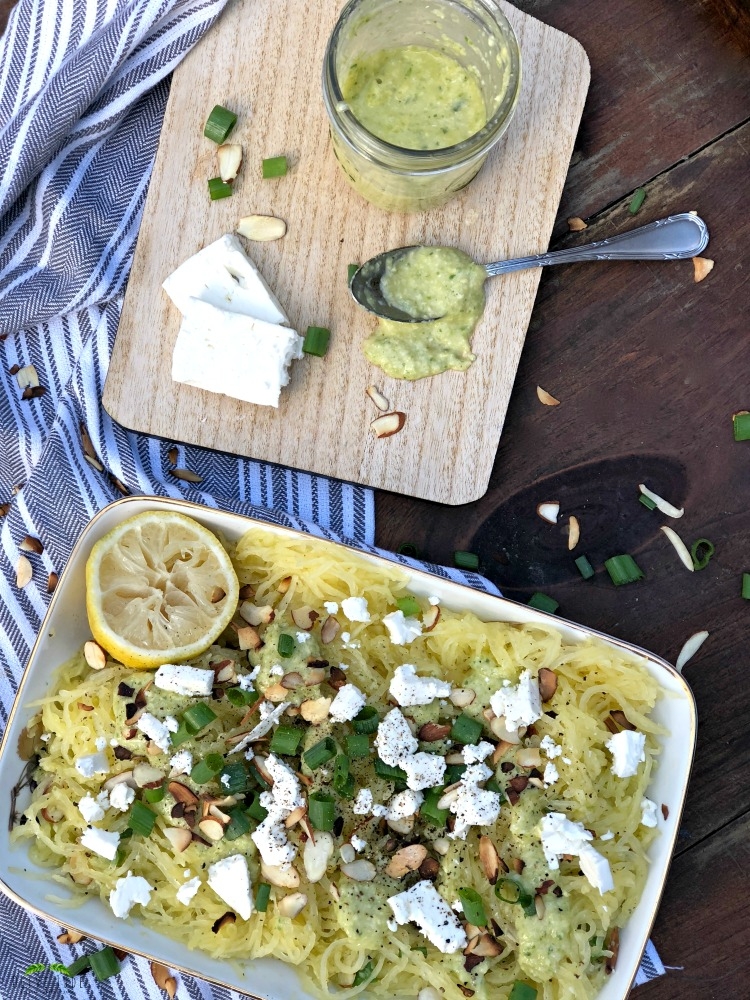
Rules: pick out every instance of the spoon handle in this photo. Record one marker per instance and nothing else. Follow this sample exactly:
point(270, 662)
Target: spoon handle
point(673, 238)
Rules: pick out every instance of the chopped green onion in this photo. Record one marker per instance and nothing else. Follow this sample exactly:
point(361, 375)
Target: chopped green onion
point(238, 825)
point(388, 771)
point(367, 721)
point(154, 794)
point(522, 991)
point(220, 123)
point(36, 967)
point(429, 808)
point(623, 569)
point(639, 196)
point(409, 606)
point(262, 896)
point(207, 769)
point(320, 753)
point(286, 739)
point(286, 645)
point(198, 716)
point(321, 810)
point(254, 809)
point(182, 735)
point(465, 729)
point(59, 967)
point(316, 341)
point(741, 426)
point(408, 549)
point(274, 166)
point(466, 560)
point(80, 965)
point(240, 698)
point(351, 271)
point(701, 560)
point(584, 566)
point(364, 973)
point(357, 745)
point(104, 963)
point(141, 819)
point(647, 502)
point(235, 778)
point(347, 788)
point(257, 775)
point(217, 189)
point(473, 906)
point(511, 890)
point(543, 603)
point(493, 786)
point(340, 771)
point(453, 773)
point(746, 586)
point(421, 948)
point(126, 834)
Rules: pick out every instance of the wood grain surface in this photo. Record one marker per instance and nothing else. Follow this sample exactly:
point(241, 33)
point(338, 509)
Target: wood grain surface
point(453, 422)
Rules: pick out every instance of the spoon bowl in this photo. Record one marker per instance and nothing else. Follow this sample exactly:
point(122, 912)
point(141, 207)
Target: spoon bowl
point(675, 238)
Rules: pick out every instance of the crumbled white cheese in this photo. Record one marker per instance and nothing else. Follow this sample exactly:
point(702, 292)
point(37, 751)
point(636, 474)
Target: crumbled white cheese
point(607, 836)
point(302, 637)
point(349, 701)
point(45, 737)
point(519, 704)
point(188, 889)
point(596, 868)
point(433, 600)
point(277, 670)
point(391, 925)
point(181, 763)
point(150, 726)
point(457, 905)
point(331, 607)
point(404, 804)
point(402, 630)
point(628, 751)
point(101, 842)
point(648, 813)
point(233, 354)
point(90, 809)
point(551, 774)
point(285, 795)
point(407, 688)
point(127, 892)
point(348, 643)
point(358, 843)
point(561, 836)
point(474, 806)
point(424, 905)
point(246, 680)
point(171, 723)
point(355, 609)
point(91, 764)
point(424, 770)
point(101, 743)
point(477, 752)
point(395, 740)
point(121, 796)
point(363, 802)
point(550, 748)
point(187, 681)
point(269, 717)
point(230, 880)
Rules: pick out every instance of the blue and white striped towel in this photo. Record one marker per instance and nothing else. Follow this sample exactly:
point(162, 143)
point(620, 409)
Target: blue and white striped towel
point(83, 86)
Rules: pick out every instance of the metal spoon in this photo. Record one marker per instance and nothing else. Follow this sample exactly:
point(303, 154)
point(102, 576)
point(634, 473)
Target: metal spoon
point(673, 238)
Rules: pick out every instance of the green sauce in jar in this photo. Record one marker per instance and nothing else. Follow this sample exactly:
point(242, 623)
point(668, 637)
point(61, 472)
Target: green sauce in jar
point(429, 281)
point(414, 97)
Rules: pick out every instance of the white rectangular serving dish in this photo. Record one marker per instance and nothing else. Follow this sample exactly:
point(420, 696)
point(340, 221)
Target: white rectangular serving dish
point(65, 629)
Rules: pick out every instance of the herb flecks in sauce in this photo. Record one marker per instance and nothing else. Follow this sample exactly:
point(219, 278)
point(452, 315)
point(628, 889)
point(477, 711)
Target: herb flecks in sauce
point(429, 281)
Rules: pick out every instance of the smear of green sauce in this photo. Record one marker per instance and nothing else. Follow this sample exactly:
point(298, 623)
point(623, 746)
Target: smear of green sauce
point(429, 281)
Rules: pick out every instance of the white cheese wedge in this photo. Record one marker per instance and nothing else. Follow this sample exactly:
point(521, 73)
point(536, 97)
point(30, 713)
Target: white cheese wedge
point(223, 275)
point(236, 355)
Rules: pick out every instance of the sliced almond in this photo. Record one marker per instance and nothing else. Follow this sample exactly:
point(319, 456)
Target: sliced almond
point(461, 697)
point(276, 693)
point(612, 944)
point(431, 732)
point(389, 424)
point(489, 858)
point(548, 510)
point(441, 845)
point(292, 904)
point(316, 855)
point(702, 267)
point(576, 225)
point(456, 757)
point(429, 868)
point(52, 814)
point(574, 532)
point(539, 906)
point(31, 544)
point(430, 618)
point(224, 818)
point(547, 683)
point(403, 826)
point(500, 730)
point(408, 859)
point(173, 455)
point(690, 648)
point(27, 377)
point(546, 397)
point(260, 763)
point(449, 796)
point(224, 921)
point(284, 584)
point(663, 505)
point(255, 614)
point(164, 979)
point(680, 547)
point(500, 751)
point(182, 793)
point(179, 837)
point(529, 757)
point(294, 817)
point(121, 777)
point(70, 937)
point(249, 638)
point(292, 680)
point(229, 155)
point(262, 228)
point(315, 675)
point(305, 617)
point(217, 594)
point(622, 721)
point(94, 655)
point(24, 572)
point(487, 947)
point(360, 870)
point(146, 776)
point(224, 672)
point(378, 398)
point(52, 582)
point(212, 829)
point(187, 475)
point(94, 462)
point(287, 878)
point(330, 629)
point(315, 710)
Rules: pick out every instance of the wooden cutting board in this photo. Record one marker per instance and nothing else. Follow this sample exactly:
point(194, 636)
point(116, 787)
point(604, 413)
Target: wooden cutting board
point(263, 59)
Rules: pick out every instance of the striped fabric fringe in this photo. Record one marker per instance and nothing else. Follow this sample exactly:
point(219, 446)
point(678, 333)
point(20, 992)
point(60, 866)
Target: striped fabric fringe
point(83, 87)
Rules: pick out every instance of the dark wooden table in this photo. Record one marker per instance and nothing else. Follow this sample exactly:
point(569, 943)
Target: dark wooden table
point(648, 367)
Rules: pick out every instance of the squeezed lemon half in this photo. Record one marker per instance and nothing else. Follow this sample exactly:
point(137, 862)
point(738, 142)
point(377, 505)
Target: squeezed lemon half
point(160, 588)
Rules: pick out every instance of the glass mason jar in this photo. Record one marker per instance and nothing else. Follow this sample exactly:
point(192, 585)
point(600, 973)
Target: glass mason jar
point(476, 34)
